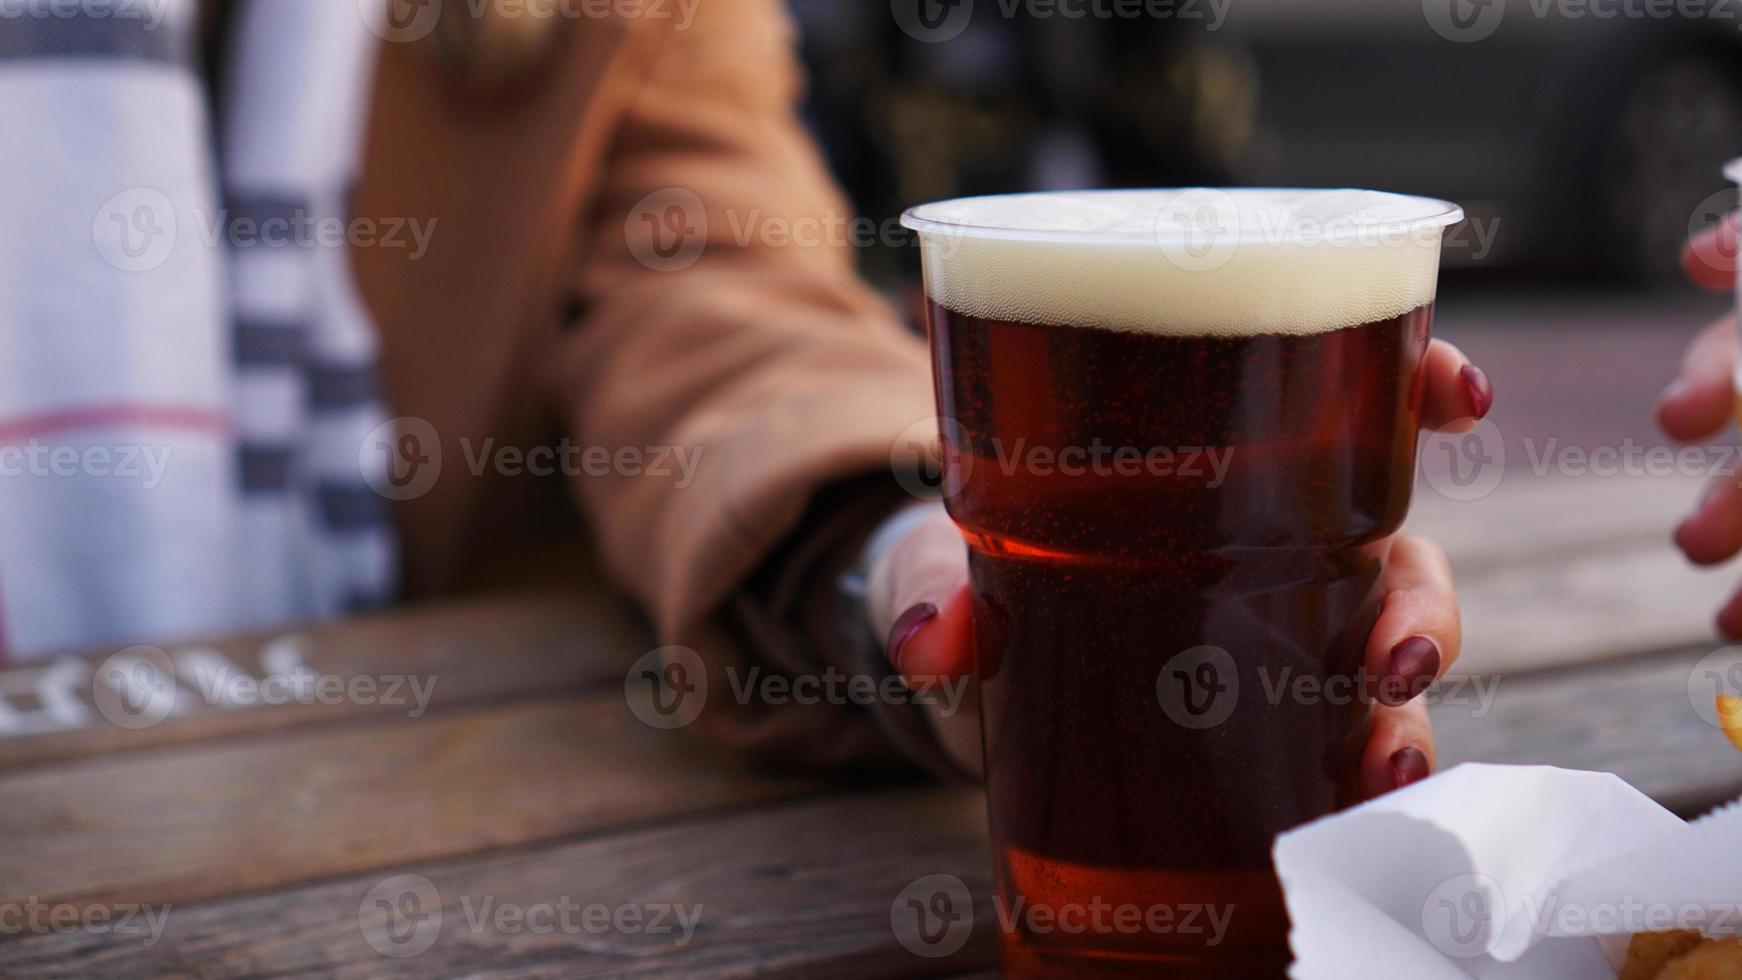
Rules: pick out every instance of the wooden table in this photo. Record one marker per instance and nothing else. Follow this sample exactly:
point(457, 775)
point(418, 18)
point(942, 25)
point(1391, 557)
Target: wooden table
point(351, 838)
point(526, 788)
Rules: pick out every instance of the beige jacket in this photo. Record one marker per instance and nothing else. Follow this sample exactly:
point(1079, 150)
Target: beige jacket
point(547, 154)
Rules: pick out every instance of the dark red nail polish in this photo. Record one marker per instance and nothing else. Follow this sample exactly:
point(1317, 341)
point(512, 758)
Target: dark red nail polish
point(1415, 663)
point(1481, 391)
point(1408, 765)
point(907, 624)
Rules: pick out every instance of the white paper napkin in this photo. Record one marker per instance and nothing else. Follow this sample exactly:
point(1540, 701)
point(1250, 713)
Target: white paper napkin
point(1503, 872)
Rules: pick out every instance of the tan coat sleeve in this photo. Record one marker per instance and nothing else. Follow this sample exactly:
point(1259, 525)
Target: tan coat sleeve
point(742, 334)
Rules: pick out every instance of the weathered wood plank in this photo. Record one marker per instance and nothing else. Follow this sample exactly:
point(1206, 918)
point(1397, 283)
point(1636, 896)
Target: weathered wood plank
point(804, 890)
point(398, 664)
point(1527, 518)
point(1558, 571)
point(1559, 611)
point(213, 819)
point(1634, 718)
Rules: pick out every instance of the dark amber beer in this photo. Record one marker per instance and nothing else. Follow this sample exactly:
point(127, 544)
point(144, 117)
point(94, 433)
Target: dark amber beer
point(1178, 428)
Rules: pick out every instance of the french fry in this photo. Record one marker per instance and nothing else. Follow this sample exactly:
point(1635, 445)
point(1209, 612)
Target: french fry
point(1715, 959)
point(1650, 952)
point(1730, 718)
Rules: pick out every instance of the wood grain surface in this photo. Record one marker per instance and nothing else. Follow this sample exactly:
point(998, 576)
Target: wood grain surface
point(466, 653)
point(794, 890)
point(1555, 571)
point(1639, 718)
point(267, 811)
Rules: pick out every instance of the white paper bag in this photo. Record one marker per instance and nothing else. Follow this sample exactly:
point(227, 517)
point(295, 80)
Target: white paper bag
point(1504, 872)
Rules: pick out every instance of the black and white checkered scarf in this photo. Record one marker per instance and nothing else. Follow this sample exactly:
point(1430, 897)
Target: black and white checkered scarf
point(187, 377)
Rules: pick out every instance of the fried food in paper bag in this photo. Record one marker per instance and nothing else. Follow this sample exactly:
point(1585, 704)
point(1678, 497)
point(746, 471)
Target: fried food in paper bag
point(1713, 959)
point(1684, 954)
point(1652, 951)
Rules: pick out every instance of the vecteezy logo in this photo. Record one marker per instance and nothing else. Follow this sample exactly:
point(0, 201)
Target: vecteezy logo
point(1199, 688)
point(1464, 916)
point(1198, 229)
point(1464, 465)
point(1719, 206)
point(932, 21)
point(933, 916)
point(668, 229)
point(135, 688)
point(1717, 673)
point(400, 21)
point(667, 688)
point(135, 231)
point(1464, 21)
point(401, 916)
point(401, 459)
point(918, 458)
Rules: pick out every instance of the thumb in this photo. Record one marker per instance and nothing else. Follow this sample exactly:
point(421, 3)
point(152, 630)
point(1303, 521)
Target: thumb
point(917, 594)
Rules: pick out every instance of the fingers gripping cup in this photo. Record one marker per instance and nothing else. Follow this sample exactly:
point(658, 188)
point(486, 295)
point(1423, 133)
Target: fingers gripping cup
point(1184, 424)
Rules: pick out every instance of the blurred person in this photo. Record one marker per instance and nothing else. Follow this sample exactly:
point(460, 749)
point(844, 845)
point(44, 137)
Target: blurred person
point(535, 249)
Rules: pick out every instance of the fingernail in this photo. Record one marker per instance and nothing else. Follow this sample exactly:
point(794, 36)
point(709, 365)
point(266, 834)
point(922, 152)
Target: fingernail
point(1480, 390)
point(1672, 392)
point(1415, 663)
point(907, 624)
point(1408, 765)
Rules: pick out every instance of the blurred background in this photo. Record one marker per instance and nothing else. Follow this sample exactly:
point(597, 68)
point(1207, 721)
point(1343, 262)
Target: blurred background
point(1580, 144)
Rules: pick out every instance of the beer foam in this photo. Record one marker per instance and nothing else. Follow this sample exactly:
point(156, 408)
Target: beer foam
point(1190, 262)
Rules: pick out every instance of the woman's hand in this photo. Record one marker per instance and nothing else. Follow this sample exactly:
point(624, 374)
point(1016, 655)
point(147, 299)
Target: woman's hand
point(919, 594)
point(1699, 403)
